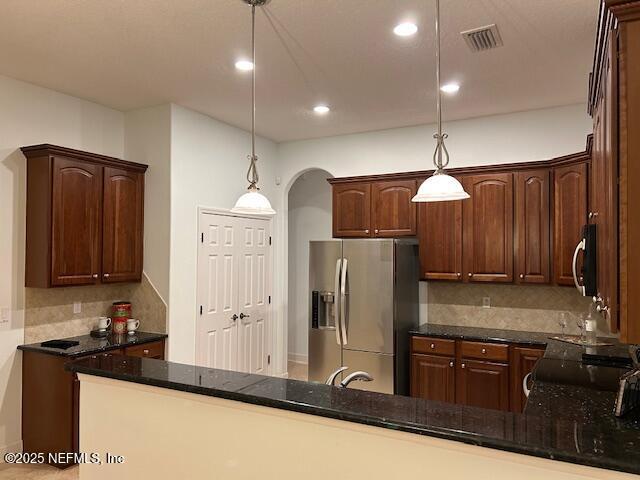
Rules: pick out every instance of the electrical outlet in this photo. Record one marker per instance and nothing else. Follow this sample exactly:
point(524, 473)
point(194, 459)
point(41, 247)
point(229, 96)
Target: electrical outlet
point(77, 307)
point(5, 315)
point(486, 302)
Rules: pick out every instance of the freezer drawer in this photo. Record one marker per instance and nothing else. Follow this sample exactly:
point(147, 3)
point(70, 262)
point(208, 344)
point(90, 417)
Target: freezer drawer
point(379, 365)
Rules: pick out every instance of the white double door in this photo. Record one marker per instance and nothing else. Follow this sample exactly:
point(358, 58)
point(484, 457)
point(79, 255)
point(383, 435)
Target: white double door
point(234, 271)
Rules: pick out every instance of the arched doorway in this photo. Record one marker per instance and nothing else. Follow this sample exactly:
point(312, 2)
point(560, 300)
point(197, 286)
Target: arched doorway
point(309, 218)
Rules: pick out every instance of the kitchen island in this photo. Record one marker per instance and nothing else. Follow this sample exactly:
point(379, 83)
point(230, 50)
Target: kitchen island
point(236, 425)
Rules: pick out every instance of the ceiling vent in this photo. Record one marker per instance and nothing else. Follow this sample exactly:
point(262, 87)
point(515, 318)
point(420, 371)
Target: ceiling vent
point(483, 38)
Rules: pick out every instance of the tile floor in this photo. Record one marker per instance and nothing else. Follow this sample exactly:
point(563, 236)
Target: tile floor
point(37, 472)
point(298, 371)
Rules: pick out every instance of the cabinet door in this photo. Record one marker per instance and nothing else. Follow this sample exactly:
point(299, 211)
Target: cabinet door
point(122, 225)
point(483, 384)
point(76, 208)
point(488, 228)
point(523, 361)
point(532, 226)
point(433, 377)
point(394, 214)
point(570, 215)
point(440, 240)
point(352, 210)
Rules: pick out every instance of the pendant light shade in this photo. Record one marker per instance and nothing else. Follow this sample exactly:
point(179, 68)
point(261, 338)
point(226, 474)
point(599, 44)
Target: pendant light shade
point(440, 187)
point(253, 202)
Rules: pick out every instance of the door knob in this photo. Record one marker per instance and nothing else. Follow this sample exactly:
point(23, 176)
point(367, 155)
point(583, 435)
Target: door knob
point(242, 315)
point(235, 317)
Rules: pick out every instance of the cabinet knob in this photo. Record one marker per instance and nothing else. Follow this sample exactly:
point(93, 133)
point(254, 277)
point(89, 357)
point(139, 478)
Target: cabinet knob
point(376, 231)
point(459, 274)
point(451, 363)
point(463, 365)
point(433, 345)
point(522, 275)
point(106, 275)
point(145, 351)
point(470, 274)
point(95, 275)
point(484, 351)
point(366, 231)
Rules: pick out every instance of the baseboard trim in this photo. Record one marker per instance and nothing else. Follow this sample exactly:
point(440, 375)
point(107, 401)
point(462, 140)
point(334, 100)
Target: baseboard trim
point(298, 358)
point(13, 448)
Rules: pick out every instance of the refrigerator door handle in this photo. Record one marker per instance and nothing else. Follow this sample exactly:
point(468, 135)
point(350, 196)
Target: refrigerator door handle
point(336, 306)
point(574, 267)
point(343, 302)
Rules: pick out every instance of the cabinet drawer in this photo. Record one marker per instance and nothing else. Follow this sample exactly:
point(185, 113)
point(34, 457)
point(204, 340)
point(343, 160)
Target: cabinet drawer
point(488, 351)
point(147, 350)
point(436, 346)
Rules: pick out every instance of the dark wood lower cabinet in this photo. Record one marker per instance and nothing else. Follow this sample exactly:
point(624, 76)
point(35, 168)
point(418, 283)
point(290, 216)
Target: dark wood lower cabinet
point(483, 384)
point(433, 377)
point(523, 361)
point(51, 399)
point(479, 374)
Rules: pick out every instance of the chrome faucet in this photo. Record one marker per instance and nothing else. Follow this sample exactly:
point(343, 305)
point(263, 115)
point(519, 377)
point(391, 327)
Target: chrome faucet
point(359, 375)
point(332, 378)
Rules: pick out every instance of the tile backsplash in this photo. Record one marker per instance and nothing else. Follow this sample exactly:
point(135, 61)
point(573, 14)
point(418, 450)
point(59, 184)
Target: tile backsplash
point(535, 308)
point(49, 311)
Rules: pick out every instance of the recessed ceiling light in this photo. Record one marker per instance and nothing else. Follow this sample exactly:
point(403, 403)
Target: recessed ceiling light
point(405, 29)
point(450, 88)
point(321, 109)
point(244, 65)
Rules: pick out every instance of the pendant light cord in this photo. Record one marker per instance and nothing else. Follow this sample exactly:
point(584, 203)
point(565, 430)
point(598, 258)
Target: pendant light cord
point(252, 173)
point(440, 137)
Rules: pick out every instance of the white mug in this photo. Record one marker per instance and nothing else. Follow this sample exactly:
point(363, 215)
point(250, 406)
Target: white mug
point(132, 326)
point(104, 323)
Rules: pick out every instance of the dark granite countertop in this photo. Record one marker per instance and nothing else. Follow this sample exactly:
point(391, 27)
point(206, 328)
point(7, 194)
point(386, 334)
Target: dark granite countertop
point(89, 345)
point(595, 440)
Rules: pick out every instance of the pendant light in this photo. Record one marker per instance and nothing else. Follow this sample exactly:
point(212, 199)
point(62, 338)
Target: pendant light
point(253, 202)
point(439, 187)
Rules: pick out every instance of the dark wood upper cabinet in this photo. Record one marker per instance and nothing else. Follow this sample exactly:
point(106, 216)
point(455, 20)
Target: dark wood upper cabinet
point(75, 227)
point(433, 377)
point(352, 210)
point(440, 239)
point(123, 225)
point(523, 361)
point(533, 241)
point(483, 384)
point(394, 214)
point(84, 218)
point(488, 228)
point(569, 216)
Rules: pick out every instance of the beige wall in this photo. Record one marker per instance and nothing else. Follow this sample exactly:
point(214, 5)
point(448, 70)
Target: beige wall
point(223, 439)
point(513, 307)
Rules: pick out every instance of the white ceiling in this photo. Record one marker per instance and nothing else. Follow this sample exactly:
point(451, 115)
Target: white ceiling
point(129, 54)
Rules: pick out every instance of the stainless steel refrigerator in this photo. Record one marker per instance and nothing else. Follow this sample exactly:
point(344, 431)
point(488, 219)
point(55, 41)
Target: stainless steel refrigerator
point(364, 300)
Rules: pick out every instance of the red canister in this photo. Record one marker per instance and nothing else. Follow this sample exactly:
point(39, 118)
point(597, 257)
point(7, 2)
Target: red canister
point(121, 313)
